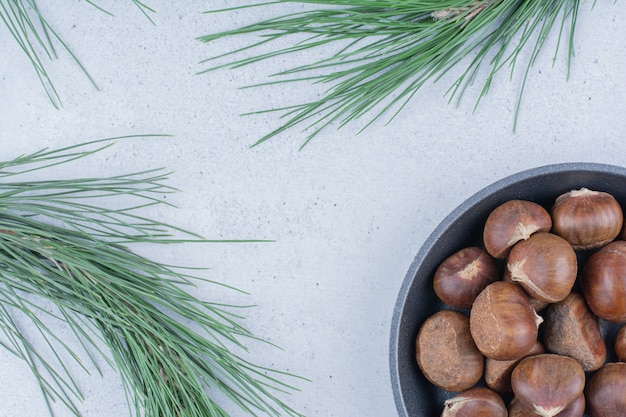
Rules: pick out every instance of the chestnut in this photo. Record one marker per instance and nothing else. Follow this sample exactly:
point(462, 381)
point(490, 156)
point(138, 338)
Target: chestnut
point(463, 275)
point(503, 323)
point(604, 282)
point(587, 219)
point(477, 401)
point(498, 373)
point(606, 391)
point(620, 344)
point(538, 305)
point(575, 409)
point(511, 222)
point(548, 383)
point(571, 329)
point(446, 353)
point(545, 265)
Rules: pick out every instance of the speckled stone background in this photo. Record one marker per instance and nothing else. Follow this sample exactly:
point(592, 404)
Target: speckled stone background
point(348, 212)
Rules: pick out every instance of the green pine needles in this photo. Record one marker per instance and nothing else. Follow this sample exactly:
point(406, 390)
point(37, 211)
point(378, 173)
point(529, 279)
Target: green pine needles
point(381, 52)
point(63, 243)
point(37, 39)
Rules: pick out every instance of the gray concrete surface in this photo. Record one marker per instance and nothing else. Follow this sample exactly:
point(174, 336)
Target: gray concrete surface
point(348, 213)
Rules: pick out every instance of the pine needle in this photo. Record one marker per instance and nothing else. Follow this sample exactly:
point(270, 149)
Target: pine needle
point(387, 50)
point(61, 245)
point(39, 41)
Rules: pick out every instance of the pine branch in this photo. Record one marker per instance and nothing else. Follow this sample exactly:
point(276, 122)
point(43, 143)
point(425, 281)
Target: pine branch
point(39, 41)
point(387, 50)
point(60, 244)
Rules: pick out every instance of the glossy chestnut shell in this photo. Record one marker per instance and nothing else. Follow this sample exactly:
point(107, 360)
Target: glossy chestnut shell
point(545, 265)
point(604, 282)
point(606, 391)
point(548, 383)
point(575, 409)
point(463, 275)
point(503, 323)
point(511, 222)
point(587, 219)
point(477, 401)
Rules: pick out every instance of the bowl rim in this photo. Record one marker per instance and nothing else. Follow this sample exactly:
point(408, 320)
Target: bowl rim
point(436, 234)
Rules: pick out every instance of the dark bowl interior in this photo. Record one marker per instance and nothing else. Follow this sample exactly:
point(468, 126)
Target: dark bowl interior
point(414, 395)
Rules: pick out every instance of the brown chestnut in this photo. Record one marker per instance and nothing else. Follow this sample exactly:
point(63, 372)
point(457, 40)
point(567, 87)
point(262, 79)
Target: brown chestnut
point(477, 401)
point(604, 282)
point(498, 373)
point(571, 329)
point(575, 409)
point(511, 222)
point(545, 265)
point(463, 275)
point(548, 383)
point(587, 219)
point(503, 324)
point(446, 353)
point(538, 305)
point(620, 344)
point(606, 391)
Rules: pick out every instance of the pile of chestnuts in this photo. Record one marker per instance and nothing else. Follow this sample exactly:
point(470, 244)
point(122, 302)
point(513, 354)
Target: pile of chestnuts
point(524, 333)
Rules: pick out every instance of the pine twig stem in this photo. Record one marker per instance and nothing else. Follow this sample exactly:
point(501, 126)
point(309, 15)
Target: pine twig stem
point(467, 12)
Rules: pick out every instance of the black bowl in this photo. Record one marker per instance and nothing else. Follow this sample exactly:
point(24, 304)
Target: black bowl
point(414, 395)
